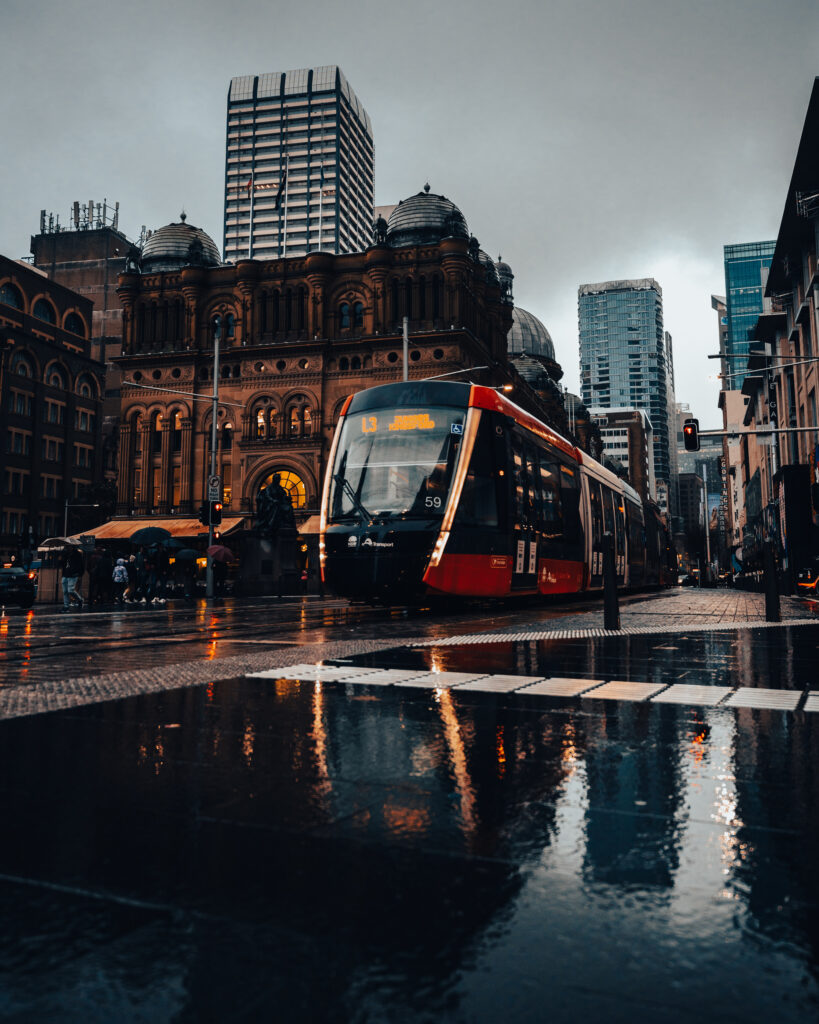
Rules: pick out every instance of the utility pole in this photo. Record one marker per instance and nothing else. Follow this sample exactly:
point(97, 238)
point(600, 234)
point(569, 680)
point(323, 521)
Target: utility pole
point(214, 440)
point(406, 348)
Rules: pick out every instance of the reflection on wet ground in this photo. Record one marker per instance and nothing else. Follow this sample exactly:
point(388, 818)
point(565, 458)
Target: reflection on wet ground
point(271, 849)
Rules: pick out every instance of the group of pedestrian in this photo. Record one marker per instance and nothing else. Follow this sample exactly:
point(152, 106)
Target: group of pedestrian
point(139, 578)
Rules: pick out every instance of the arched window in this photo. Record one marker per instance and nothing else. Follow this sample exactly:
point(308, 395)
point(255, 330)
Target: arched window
point(356, 363)
point(176, 439)
point(11, 296)
point(396, 311)
point(230, 326)
point(156, 434)
point(137, 432)
point(437, 297)
point(275, 306)
point(86, 387)
point(408, 298)
point(227, 437)
point(302, 311)
point(288, 310)
point(358, 314)
point(307, 421)
point(422, 298)
point(260, 425)
point(295, 422)
point(344, 363)
point(344, 316)
point(22, 365)
point(273, 423)
point(43, 310)
point(56, 377)
point(292, 483)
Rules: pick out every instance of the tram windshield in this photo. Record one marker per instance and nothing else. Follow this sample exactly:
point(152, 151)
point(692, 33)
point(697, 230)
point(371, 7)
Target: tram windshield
point(395, 461)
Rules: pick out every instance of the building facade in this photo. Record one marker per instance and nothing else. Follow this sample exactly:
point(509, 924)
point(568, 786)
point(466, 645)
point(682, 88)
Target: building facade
point(51, 403)
point(624, 361)
point(627, 439)
point(299, 166)
point(746, 273)
point(298, 337)
point(87, 255)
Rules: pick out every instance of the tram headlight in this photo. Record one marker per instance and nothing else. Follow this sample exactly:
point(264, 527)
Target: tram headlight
point(322, 554)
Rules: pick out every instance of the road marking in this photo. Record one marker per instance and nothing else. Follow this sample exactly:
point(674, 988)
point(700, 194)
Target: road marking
point(692, 693)
point(759, 697)
point(621, 690)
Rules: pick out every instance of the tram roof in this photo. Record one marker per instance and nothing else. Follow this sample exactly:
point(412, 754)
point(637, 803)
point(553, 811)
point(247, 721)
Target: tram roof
point(488, 398)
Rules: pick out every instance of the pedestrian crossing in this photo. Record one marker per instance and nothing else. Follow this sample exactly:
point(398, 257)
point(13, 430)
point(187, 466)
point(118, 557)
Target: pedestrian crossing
point(694, 695)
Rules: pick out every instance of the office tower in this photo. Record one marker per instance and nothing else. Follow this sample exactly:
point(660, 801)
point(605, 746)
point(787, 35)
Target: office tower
point(746, 274)
point(298, 166)
point(624, 359)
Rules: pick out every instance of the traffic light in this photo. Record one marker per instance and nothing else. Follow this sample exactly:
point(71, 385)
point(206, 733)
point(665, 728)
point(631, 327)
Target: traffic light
point(215, 513)
point(204, 514)
point(691, 435)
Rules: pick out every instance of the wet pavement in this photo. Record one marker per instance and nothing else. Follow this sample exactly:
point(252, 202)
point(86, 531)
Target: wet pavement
point(275, 848)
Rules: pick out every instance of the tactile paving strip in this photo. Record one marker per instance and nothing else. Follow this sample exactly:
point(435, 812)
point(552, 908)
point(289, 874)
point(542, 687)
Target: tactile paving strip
point(759, 697)
point(442, 680)
point(617, 690)
point(561, 687)
point(692, 693)
point(812, 703)
point(500, 684)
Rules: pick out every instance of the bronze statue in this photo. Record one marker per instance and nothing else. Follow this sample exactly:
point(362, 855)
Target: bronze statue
point(380, 232)
point(274, 508)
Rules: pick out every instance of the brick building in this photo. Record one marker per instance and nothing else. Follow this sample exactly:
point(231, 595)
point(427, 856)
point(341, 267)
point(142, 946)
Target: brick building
point(51, 402)
point(299, 336)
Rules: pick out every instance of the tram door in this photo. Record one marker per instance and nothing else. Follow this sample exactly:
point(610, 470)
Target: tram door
point(596, 534)
point(525, 513)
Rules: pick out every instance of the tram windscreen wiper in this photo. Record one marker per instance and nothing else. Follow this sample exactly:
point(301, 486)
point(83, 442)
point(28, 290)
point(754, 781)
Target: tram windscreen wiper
point(356, 502)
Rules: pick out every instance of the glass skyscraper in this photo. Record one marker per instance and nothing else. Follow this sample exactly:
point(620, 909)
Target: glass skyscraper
point(746, 273)
point(298, 166)
point(624, 359)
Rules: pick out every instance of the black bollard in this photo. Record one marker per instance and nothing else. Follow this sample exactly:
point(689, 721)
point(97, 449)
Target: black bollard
point(772, 613)
point(611, 604)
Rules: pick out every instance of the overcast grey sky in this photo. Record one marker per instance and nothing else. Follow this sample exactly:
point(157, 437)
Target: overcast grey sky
point(583, 139)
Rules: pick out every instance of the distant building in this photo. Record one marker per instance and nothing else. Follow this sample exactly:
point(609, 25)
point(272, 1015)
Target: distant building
point(299, 166)
point(746, 274)
point(624, 361)
point(87, 255)
point(628, 439)
point(50, 405)
point(692, 511)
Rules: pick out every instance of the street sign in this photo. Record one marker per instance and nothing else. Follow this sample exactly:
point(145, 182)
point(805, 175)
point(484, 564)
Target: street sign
point(214, 488)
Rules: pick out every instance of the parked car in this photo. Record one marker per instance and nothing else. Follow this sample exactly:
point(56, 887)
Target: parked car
point(17, 587)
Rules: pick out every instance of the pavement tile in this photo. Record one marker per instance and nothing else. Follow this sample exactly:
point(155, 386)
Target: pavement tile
point(442, 680)
point(385, 677)
point(621, 690)
point(692, 693)
point(499, 683)
point(561, 687)
point(812, 703)
point(762, 698)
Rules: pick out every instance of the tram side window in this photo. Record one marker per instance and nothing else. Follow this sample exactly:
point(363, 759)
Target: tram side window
point(619, 518)
point(570, 503)
point(552, 513)
point(636, 535)
point(595, 507)
point(533, 512)
point(608, 511)
point(479, 500)
point(518, 475)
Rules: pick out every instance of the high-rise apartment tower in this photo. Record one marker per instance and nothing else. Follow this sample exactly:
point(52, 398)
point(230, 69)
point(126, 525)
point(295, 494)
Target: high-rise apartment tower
point(746, 274)
point(624, 359)
point(298, 166)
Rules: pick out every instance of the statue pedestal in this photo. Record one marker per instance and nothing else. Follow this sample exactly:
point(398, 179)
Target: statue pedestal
point(269, 564)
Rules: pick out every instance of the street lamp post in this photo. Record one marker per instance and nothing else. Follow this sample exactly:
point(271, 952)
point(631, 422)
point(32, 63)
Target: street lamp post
point(214, 438)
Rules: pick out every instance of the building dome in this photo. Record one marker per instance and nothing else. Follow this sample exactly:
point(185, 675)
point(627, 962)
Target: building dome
point(486, 262)
point(425, 219)
point(176, 246)
point(527, 334)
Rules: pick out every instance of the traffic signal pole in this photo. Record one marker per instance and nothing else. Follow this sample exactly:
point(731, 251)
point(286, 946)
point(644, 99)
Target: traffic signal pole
point(214, 437)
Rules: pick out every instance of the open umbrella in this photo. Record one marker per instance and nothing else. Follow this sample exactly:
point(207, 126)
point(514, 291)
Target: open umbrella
point(219, 553)
point(186, 555)
point(59, 542)
point(173, 542)
point(150, 535)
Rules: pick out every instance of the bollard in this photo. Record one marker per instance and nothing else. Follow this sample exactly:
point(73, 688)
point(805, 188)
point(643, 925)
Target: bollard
point(611, 605)
point(772, 613)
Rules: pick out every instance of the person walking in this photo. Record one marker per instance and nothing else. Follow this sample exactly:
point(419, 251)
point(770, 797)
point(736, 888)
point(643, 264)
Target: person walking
point(131, 570)
point(119, 578)
point(73, 566)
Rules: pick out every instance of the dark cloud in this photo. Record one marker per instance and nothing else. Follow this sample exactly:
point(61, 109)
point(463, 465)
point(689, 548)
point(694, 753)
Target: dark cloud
point(583, 139)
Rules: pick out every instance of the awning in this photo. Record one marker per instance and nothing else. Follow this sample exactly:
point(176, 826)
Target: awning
point(310, 525)
point(122, 529)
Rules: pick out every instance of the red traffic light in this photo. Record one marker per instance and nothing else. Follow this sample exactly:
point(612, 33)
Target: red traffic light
point(691, 435)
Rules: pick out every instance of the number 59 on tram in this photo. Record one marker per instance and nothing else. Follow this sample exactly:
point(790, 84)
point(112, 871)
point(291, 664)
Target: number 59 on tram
point(440, 488)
